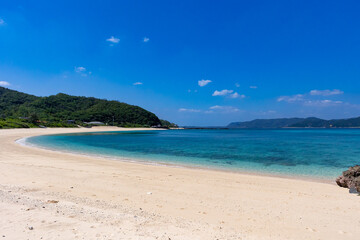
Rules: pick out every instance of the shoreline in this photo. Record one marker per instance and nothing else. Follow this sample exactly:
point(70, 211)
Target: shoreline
point(84, 196)
point(327, 180)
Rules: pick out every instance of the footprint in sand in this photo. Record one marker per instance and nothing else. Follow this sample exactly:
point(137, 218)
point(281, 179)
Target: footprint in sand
point(311, 229)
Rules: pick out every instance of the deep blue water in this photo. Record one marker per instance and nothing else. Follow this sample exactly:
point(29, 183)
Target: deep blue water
point(320, 153)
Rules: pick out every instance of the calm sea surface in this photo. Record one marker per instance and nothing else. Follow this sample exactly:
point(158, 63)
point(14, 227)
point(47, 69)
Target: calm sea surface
point(318, 153)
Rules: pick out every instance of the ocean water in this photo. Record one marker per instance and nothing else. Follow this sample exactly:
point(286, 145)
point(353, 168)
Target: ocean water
point(315, 153)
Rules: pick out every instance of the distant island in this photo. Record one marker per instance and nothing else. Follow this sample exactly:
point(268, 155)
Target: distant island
point(21, 110)
point(311, 122)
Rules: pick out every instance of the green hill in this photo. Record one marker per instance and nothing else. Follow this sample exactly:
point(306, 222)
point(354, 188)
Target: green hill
point(310, 122)
point(61, 107)
point(266, 123)
point(334, 123)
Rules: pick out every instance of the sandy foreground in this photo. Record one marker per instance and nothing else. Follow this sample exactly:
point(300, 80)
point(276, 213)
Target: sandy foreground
point(52, 195)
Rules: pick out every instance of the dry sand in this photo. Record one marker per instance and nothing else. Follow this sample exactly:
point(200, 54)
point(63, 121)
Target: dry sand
point(52, 195)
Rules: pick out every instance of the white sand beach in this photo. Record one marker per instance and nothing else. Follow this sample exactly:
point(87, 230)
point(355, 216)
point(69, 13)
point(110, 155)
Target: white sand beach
point(53, 195)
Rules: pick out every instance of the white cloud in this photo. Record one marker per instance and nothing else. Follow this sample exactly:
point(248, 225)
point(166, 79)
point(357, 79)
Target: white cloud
point(4, 83)
point(228, 93)
point(236, 95)
point(203, 82)
point(80, 69)
point(113, 39)
point(326, 92)
point(222, 92)
point(237, 85)
point(189, 110)
point(2, 22)
point(146, 39)
point(253, 87)
point(138, 83)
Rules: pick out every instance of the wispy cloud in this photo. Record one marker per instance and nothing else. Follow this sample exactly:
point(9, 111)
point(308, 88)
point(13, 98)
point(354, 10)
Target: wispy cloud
point(113, 40)
point(82, 71)
point(306, 97)
point(237, 85)
point(203, 82)
point(189, 110)
point(4, 83)
point(326, 92)
point(312, 98)
point(290, 99)
point(2, 22)
point(137, 83)
point(146, 39)
point(195, 91)
point(253, 87)
point(213, 109)
point(322, 103)
point(223, 109)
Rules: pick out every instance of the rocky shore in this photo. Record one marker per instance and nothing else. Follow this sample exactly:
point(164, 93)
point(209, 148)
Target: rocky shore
point(350, 179)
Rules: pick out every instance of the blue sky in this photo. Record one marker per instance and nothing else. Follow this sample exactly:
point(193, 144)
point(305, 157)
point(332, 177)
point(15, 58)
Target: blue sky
point(190, 62)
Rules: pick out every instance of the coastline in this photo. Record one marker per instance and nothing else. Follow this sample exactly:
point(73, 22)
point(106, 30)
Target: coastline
point(328, 180)
point(176, 202)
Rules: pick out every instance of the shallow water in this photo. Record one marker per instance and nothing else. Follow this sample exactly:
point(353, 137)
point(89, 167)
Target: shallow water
point(319, 153)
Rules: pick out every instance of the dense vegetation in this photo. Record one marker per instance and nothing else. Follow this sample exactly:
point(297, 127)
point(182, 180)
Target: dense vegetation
point(168, 124)
point(20, 109)
point(16, 123)
point(298, 122)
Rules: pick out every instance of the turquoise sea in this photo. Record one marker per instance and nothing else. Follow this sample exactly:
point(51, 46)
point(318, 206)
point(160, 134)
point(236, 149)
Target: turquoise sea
point(315, 153)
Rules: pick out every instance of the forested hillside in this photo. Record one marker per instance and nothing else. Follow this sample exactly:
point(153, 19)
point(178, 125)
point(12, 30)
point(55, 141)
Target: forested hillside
point(62, 107)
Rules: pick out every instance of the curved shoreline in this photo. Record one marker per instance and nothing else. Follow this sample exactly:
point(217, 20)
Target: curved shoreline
point(58, 192)
point(22, 142)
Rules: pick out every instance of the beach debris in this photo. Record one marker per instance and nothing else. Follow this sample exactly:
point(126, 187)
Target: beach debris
point(52, 201)
point(350, 179)
point(31, 228)
point(149, 193)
